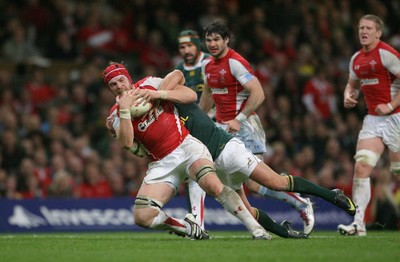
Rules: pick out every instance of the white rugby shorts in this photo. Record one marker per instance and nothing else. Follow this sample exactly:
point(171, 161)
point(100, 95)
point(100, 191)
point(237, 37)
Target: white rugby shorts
point(252, 134)
point(173, 168)
point(386, 127)
point(235, 164)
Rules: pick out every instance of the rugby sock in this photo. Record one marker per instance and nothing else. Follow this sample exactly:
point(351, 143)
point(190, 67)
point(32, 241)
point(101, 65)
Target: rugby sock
point(292, 199)
point(164, 222)
point(301, 185)
point(270, 225)
point(231, 201)
point(361, 198)
point(196, 201)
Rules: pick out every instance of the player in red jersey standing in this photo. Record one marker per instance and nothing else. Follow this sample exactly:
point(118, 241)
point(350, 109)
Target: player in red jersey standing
point(236, 92)
point(375, 69)
point(173, 152)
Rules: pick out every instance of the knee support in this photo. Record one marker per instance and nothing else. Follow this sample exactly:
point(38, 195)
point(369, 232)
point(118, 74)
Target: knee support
point(395, 168)
point(367, 157)
point(202, 172)
point(146, 202)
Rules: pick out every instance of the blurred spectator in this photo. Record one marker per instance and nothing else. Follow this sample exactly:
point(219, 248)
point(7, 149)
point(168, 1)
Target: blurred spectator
point(155, 54)
point(131, 176)
point(326, 175)
point(117, 185)
point(3, 183)
point(38, 15)
point(42, 170)
point(28, 182)
point(8, 101)
point(76, 168)
point(11, 188)
point(384, 209)
point(39, 90)
point(91, 35)
point(94, 185)
point(63, 47)
point(62, 185)
point(8, 119)
point(12, 152)
point(20, 47)
point(319, 97)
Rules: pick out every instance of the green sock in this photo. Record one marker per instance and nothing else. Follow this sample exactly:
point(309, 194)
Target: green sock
point(270, 225)
point(301, 185)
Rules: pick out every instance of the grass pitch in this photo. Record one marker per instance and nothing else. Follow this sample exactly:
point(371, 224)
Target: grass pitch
point(148, 246)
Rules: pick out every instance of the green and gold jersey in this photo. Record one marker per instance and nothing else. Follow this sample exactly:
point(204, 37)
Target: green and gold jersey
point(203, 128)
point(193, 76)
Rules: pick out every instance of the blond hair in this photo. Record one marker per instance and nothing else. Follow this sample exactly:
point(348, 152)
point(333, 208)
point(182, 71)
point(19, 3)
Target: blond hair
point(378, 21)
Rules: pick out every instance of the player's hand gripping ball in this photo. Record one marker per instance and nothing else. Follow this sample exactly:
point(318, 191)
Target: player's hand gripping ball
point(138, 149)
point(140, 109)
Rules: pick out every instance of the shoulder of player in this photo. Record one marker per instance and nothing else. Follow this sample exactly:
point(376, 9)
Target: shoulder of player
point(206, 55)
point(149, 81)
point(356, 54)
point(387, 47)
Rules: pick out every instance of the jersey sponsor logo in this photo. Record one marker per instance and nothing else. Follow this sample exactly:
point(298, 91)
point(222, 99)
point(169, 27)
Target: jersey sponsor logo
point(148, 121)
point(184, 119)
point(366, 82)
point(219, 91)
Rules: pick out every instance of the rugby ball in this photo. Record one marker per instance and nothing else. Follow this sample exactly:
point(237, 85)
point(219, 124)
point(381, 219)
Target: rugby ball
point(138, 149)
point(140, 109)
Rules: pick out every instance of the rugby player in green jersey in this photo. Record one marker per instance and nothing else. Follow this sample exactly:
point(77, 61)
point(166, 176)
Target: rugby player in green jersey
point(189, 46)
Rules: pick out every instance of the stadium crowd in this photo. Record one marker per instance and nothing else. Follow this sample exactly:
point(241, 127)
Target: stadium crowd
point(53, 103)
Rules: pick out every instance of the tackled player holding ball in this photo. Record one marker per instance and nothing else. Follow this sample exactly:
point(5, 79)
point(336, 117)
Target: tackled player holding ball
point(173, 152)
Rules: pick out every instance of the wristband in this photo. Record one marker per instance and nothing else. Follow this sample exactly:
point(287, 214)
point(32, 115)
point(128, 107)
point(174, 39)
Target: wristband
point(163, 95)
point(125, 114)
point(390, 106)
point(241, 117)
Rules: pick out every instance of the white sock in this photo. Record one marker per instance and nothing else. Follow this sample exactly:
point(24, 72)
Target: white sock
point(293, 199)
point(361, 198)
point(196, 196)
point(164, 222)
point(231, 201)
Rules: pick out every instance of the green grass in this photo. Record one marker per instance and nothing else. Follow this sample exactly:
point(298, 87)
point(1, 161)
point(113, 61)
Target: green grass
point(324, 246)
